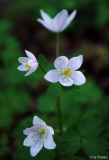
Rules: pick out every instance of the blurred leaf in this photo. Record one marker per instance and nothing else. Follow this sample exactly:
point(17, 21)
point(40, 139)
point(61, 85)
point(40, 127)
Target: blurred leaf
point(94, 147)
point(74, 55)
point(54, 90)
point(18, 133)
point(46, 105)
point(45, 154)
point(43, 62)
point(73, 144)
point(90, 128)
point(36, 76)
point(70, 157)
point(67, 136)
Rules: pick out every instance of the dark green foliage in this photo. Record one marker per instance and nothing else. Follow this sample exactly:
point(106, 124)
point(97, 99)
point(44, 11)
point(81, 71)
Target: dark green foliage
point(54, 90)
point(43, 62)
point(70, 157)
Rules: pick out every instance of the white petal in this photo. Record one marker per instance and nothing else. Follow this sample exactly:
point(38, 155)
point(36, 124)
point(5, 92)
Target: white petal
point(75, 62)
point(27, 131)
point(46, 25)
point(28, 141)
point(60, 19)
point(28, 73)
point(35, 149)
point(45, 16)
point(69, 19)
point(61, 62)
point(33, 66)
point(66, 81)
point(49, 143)
point(22, 68)
point(37, 120)
point(30, 55)
point(78, 78)
point(52, 76)
point(50, 129)
point(23, 60)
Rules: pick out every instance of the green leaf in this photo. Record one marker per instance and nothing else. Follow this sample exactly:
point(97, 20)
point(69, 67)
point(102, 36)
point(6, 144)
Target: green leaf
point(70, 157)
point(73, 144)
point(43, 62)
point(35, 76)
point(54, 90)
point(90, 128)
point(45, 154)
point(18, 133)
point(46, 105)
point(67, 136)
point(94, 147)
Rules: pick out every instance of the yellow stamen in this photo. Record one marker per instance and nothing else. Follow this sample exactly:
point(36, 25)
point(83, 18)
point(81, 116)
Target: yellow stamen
point(67, 72)
point(26, 61)
point(27, 66)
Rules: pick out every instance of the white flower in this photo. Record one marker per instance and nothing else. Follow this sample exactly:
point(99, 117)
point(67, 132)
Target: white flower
point(38, 135)
point(60, 21)
point(65, 71)
point(29, 63)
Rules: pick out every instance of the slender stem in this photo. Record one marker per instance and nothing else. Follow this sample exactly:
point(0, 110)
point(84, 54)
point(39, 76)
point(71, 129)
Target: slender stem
point(42, 68)
point(59, 114)
point(57, 45)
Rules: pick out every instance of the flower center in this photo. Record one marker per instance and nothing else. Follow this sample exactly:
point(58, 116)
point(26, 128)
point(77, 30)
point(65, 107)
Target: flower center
point(42, 132)
point(27, 65)
point(66, 72)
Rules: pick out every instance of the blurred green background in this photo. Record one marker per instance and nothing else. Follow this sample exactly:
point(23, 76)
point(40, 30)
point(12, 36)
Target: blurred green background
point(88, 34)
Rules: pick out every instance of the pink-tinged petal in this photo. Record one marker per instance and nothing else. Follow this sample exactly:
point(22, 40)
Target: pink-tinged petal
point(75, 62)
point(78, 78)
point(49, 143)
point(69, 19)
point(22, 68)
point(34, 150)
point(39, 121)
point(30, 55)
point(23, 60)
point(66, 81)
point(52, 76)
point(60, 19)
point(50, 129)
point(45, 16)
point(46, 25)
point(61, 62)
point(28, 141)
point(28, 73)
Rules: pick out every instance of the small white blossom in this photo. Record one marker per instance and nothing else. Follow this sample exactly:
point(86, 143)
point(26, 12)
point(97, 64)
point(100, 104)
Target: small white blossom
point(65, 71)
point(29, 63)
point(60, 21)
point(38, 135)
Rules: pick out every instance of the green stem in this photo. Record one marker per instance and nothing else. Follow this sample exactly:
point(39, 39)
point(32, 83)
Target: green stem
point(57, 45)
point(58, 100)
point(59, 115)
point(42, 68)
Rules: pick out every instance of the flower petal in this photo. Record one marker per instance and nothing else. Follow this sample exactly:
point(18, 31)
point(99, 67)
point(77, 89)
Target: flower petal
point(46, 25)
point(23, 60)
point(49, 143)
point(69, 19)
point(30, 55)
point(35, 149)
point(52, 76)
point(66, 81)
point(78, 78)
point(45, 16)
point(37, 120)
point(75, 62)
point(28, 141)
point(61, 62)
point(22, 68)
point(50, 129)
point(60, 19)
point(27, 131)
point(33, 66)
point(28, 73)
